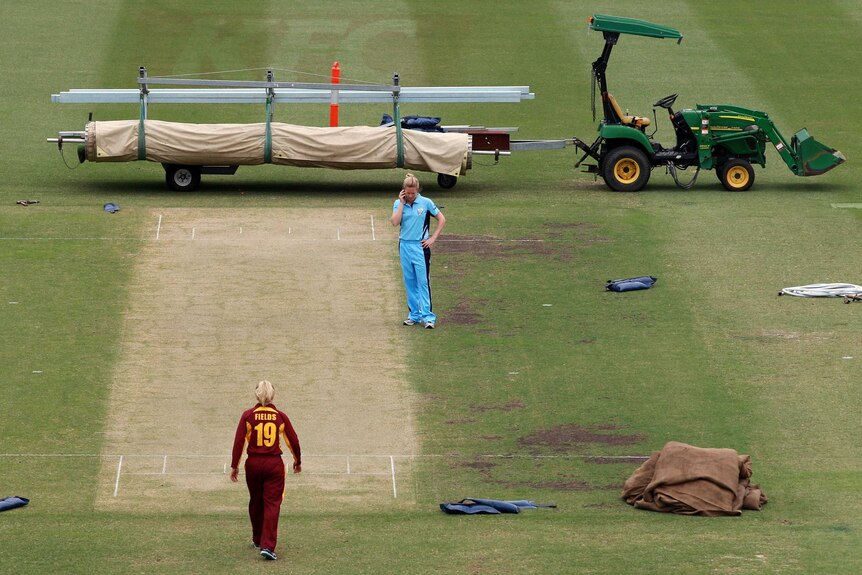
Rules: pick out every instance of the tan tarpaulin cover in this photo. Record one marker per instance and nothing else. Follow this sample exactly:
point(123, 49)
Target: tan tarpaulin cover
point(694, 481)
point(350, 148)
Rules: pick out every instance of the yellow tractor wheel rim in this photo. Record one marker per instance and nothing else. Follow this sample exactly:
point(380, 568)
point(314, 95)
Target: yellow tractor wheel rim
point(737, 177)
point(627, 171)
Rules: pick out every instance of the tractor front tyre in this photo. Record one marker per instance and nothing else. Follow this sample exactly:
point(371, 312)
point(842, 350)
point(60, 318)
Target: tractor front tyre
point(182, 178)
point(736, 175)
point(446, 181)
point(626, 169)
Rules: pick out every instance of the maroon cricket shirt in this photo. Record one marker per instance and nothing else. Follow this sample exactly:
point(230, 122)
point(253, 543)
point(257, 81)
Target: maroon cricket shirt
point(261, 427)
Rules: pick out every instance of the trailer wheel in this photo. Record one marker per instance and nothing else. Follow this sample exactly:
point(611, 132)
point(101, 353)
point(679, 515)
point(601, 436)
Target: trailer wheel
point(182, 178)
point(626, 169)
point(736, 175)
point(446, 181)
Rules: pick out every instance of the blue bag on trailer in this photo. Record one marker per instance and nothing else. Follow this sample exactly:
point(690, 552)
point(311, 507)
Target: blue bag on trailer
point(422, 123)
point(12, 502)
point(631, 284)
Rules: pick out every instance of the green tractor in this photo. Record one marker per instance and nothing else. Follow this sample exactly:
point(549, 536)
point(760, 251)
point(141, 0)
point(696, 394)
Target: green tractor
point(728, 139)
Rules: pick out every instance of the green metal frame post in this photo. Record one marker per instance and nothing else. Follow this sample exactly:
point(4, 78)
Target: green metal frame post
point(399, 141)
point(142, 136)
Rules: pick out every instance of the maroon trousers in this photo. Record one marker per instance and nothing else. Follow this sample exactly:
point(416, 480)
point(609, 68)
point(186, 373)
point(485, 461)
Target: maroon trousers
point(264, 475)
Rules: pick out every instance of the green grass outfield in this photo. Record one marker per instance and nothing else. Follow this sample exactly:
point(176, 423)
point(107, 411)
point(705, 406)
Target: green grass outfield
point(540, 355)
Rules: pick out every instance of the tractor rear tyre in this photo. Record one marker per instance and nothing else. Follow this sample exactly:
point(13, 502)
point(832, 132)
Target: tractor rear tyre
point(626, 169)
point(736, 175)
point(182, 178)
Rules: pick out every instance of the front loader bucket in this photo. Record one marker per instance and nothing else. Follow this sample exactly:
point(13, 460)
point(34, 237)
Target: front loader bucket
point(815, 157)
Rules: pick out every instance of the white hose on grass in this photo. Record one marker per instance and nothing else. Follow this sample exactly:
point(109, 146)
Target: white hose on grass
point(824, 290)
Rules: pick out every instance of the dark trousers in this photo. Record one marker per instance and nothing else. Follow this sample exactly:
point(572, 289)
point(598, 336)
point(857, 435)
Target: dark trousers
point(264, 475)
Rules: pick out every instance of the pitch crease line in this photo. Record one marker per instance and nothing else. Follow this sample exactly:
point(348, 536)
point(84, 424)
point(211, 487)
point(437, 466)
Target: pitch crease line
point(394, 489)
point(338, 455)
point(117, 480)
point(304, 473)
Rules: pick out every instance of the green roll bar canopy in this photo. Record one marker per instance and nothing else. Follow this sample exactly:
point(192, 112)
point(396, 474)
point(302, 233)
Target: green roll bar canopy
point(611, 27)
point(621, 25)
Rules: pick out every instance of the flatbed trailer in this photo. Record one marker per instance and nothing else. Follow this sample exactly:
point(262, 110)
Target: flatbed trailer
point(186, 151)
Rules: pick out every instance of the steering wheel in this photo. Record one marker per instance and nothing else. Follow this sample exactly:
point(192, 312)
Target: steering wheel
point(667, 101)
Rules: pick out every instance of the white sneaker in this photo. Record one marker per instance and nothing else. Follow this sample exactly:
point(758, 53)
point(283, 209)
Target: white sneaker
point(429, 325)
point(268, 554)
point(409, 321)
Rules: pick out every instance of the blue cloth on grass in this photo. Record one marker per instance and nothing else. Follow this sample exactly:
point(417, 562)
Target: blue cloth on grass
point(12, 502)
point(631, 284)
point(473, 506)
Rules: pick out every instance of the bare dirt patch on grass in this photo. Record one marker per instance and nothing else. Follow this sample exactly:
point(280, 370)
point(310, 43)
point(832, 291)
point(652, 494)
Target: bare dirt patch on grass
point(463, 314)
point(559, 241)
point(573, 438)
point(491, 247)
point(505, 407)
point(225, 298)
point(561, 469)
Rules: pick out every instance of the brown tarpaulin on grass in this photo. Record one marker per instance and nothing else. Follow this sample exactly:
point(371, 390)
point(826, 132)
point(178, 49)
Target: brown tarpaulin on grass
point(347, 148)
point(694, 481)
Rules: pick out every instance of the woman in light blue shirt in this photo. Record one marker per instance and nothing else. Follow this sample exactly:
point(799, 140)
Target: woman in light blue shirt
point(413, 212)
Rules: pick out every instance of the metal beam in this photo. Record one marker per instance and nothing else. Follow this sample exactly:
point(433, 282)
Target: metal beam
point(532, 145)
point(149, 80)
point(294, 95)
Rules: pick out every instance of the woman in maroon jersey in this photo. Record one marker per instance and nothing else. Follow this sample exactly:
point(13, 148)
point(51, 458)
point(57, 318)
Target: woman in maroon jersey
point(261, 426)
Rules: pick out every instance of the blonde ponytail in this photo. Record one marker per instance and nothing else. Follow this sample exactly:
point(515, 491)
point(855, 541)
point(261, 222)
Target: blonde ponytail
point(264, 392)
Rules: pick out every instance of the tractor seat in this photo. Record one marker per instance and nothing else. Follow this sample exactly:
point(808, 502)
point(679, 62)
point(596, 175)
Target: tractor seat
point(635, 121)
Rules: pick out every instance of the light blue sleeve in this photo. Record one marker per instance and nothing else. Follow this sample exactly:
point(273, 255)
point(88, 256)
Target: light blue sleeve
point(432, 207)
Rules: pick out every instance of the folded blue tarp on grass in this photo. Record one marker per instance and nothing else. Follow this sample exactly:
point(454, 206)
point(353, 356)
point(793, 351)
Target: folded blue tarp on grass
point(12, 502)
point(490, 506)
point(631, 284)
